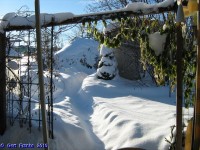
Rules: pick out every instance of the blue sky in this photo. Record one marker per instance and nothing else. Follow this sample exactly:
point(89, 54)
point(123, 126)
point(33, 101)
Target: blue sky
point(46, 6)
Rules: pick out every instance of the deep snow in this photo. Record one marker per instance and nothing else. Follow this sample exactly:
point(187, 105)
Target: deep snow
point(93, 114)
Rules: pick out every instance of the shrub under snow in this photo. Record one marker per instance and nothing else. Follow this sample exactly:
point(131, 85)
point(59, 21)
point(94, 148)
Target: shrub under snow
point(107, 67)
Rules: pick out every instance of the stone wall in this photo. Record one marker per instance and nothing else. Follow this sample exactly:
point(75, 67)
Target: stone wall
point(128, 59)
point(127, 55)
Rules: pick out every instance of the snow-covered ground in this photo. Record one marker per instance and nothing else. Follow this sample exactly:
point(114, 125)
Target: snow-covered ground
point(94, 114)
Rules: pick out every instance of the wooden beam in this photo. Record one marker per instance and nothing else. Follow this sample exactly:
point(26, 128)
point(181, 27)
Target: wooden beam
point(121, 13)
point(196, 142)
point(2, 83)
point(179, 89)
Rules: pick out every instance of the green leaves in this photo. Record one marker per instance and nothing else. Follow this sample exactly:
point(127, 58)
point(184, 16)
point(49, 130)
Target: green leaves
point(164, 65)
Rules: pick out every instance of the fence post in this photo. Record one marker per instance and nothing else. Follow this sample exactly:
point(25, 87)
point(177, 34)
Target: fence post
point(40, 73)
point(2, 83)
point(196, 145)
point(179, 91)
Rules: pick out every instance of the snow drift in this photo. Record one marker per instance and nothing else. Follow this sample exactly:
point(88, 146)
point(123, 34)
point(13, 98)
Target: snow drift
point(94, 114)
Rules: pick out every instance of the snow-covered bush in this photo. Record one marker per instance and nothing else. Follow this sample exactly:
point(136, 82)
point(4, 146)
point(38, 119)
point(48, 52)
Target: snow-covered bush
point(107, 67)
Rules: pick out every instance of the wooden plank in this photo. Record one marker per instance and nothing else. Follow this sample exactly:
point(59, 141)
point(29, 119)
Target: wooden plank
point(196, 142)
point(188, 135)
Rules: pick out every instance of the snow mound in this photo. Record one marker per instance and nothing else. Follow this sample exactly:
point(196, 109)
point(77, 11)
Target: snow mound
point(81, 54)
point(70, 133)
point(125, 120)
point(127, 116)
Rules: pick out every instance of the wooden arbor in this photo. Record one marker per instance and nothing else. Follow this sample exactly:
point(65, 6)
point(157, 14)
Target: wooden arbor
point(94, 17)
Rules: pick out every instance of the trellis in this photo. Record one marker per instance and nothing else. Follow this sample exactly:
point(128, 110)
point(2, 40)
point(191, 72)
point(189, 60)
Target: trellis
point(103, 16)
point(22, 86)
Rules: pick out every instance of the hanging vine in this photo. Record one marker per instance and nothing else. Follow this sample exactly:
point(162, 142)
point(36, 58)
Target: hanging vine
point(164, 64)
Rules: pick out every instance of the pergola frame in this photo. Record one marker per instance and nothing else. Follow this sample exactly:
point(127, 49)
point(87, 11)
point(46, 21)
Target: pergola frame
point(103, 16)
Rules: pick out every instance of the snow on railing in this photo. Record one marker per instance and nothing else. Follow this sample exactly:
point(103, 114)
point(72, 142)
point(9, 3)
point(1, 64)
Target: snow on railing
point(148, 8)
point(12, 21)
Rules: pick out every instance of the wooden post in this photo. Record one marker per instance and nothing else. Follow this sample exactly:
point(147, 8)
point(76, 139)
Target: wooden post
point(51, 80)
point(40, 73)
point(2, 83)
point(179, 90)
point(196, 142)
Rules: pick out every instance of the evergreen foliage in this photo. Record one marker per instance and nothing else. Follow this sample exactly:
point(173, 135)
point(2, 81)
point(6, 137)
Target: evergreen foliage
point(107, 67)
